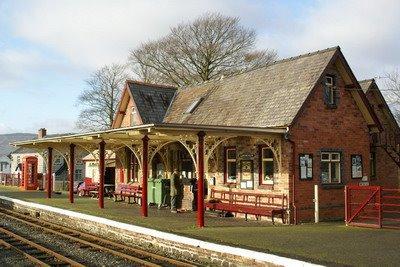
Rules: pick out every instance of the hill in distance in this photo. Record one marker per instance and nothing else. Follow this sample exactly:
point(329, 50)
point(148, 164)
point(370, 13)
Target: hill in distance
point(6, 139)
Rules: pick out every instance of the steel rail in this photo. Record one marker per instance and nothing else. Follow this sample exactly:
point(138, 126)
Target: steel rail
point(31, 244)
point(88, 239)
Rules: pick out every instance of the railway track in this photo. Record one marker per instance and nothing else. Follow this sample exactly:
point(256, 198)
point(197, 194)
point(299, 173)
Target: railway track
point(34, 252)
point(136, 256)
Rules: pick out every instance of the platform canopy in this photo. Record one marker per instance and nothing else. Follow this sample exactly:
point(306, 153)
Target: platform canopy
point(145, 141)
point(164, 131)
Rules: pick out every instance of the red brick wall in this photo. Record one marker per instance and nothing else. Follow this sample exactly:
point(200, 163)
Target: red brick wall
point(387, 171)
point(318, 128)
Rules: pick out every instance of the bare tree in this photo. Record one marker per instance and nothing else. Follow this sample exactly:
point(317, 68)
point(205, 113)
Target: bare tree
point(211, 46)
point(392, 91)
point(100, 99)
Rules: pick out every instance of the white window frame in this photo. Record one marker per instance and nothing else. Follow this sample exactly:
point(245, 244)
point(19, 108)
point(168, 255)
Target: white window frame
point(265, 159)
point(228, 160)
point(329, 81)
point(330, 160)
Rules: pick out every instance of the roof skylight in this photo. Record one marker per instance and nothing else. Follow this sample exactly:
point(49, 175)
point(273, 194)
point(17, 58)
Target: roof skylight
point(193, 106)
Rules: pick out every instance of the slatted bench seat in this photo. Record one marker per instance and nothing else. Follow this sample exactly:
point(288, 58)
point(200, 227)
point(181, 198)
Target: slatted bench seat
point(124, 191)
point(258, 204)
point(86, 188)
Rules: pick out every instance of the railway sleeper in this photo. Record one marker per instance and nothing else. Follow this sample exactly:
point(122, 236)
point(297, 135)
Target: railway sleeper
point(35, 253)
point(45, 257)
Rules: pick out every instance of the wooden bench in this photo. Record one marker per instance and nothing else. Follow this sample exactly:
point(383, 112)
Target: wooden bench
point(257, 204)
point(128, 191)
point(86, 188)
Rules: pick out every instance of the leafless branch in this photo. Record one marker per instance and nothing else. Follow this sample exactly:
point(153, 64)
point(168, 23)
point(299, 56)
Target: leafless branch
point(100, 99)
point(208, 47)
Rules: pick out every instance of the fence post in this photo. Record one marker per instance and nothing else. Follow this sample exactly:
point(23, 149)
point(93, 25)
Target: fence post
point(316, 204)
point(379, 200)
point(346, 204)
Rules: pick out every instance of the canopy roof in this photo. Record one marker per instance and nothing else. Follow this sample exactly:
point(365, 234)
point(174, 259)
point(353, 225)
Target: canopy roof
point(163, 131)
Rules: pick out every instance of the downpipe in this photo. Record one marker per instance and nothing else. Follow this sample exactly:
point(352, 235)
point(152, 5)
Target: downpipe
point(292, 174)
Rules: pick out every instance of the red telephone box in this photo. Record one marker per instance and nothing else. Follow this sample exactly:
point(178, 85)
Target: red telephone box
point(29, 173)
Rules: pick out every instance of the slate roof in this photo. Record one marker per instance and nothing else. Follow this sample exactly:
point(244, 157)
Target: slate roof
point(265, 97)
point(151, 100)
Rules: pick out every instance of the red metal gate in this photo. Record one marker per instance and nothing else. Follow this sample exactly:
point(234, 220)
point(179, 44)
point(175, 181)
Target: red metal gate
point(372, 206)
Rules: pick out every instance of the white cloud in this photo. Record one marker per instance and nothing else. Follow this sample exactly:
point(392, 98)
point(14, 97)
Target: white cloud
point(14, 64)
point(367, 32)
point(93, 33)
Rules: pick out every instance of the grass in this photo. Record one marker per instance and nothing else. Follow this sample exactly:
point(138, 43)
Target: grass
point(327, 243)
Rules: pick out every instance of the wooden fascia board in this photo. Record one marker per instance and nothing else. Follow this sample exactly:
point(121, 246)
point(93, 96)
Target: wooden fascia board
point(118, 116)
point(352, 81)
point(375, 89)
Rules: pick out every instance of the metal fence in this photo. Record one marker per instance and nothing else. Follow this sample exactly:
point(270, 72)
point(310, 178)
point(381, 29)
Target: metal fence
point(10, 179)
point(372, 206)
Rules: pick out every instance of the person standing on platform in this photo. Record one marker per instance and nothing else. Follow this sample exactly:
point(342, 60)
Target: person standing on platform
point(174, 185)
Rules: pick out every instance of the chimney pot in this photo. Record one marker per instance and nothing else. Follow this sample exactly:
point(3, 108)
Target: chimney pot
point(42, 133)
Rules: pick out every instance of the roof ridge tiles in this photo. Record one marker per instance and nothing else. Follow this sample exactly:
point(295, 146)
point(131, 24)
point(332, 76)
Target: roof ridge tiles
point(244, 71)
point(151, 84)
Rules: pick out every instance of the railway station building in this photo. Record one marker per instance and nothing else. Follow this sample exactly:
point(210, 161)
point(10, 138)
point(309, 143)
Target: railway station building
point(293, 128)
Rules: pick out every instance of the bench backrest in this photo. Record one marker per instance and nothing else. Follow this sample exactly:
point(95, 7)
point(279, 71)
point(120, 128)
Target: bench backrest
point(249, 198)
point(87, 181)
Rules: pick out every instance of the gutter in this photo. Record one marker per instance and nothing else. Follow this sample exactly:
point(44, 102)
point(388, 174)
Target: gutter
point(292, 173)
point(148, 128)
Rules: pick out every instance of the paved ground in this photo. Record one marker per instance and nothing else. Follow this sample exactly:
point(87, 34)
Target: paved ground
point(330, 243)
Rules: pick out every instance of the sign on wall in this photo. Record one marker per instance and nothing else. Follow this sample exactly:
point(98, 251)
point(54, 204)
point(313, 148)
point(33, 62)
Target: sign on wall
point(246, 174)
point(356, 166)
point(305, 166)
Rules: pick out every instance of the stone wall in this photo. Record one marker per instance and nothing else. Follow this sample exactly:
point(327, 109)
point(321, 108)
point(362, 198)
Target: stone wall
point(247, 148)
point(171, 245)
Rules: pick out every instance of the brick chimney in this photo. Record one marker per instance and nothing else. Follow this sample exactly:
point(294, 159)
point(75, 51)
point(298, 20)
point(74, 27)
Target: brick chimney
point(42, 133)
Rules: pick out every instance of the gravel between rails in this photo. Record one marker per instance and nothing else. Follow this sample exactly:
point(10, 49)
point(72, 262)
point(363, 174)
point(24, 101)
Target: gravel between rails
point(86, 256)
point(10, 257)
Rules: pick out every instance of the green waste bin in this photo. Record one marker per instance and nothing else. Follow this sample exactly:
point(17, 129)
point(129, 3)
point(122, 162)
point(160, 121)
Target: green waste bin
point(158, 192)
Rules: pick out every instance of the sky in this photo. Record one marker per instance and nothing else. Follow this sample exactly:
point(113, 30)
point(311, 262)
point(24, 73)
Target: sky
point(48, 48)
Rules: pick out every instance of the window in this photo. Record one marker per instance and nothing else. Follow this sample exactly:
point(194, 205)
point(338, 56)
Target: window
point(134, 168)
point(305, 166)
point(133, 116)
point(373, 164)
point(356, 166)
point(331, 93)
point(78, 174)
point(57, 160)
point(330, 168)
point(230, 165)
point(267, 166)
point(194, 105)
